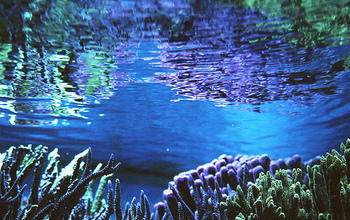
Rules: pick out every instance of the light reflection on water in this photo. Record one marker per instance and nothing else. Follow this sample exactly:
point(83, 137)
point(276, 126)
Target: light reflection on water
point(150, 133)
point(165, 107)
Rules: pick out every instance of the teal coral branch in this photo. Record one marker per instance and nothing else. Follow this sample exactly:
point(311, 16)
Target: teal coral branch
point(53, 194)
point(105, 213)
point(34, 193)
point(117, 201)
point(78, 191)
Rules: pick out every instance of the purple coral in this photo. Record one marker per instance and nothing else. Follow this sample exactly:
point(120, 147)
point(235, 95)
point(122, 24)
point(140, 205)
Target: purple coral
point(220, 178)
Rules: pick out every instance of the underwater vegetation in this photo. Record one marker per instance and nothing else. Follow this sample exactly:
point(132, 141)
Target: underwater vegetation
point(255, 187)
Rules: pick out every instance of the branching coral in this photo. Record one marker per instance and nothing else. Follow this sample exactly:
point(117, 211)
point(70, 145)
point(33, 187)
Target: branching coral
point(199, 192)
point(265, 188)
point(140, 210)
point(276, 197)
point(325, 196)
point(329, 184)
point(53, 195)
point(16, 165)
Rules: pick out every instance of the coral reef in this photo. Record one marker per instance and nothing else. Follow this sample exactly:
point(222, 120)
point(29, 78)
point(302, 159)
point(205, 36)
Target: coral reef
point(325, 196)
point(256, 187)
point(215, 180)
point(265, 188)
point(53, 194)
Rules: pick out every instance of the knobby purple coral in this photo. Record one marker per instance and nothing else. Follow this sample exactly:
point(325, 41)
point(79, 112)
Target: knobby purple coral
point(227, 172)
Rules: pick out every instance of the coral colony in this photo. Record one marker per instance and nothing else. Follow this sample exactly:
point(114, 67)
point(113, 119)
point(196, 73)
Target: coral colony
point(255, 187)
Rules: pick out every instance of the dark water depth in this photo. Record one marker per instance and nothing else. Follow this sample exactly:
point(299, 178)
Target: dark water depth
point(168, 86)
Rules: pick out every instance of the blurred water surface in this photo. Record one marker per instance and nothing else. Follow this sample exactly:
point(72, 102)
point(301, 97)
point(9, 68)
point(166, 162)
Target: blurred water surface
point(169, 86)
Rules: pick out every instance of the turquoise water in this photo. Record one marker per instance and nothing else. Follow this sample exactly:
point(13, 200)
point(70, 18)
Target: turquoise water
point(156, 134)
point(164, 107)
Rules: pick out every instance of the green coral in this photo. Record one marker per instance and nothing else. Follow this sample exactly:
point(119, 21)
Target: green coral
point(53, 194)
point(276, 197)
point(64, 194)
point(330, 186)
point(326, 196)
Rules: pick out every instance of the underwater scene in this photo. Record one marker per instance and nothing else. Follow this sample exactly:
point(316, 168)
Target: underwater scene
point(169, 87)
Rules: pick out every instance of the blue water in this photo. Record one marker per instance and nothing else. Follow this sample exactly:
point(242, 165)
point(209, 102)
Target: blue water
point(158, 128)
point(155, 135)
